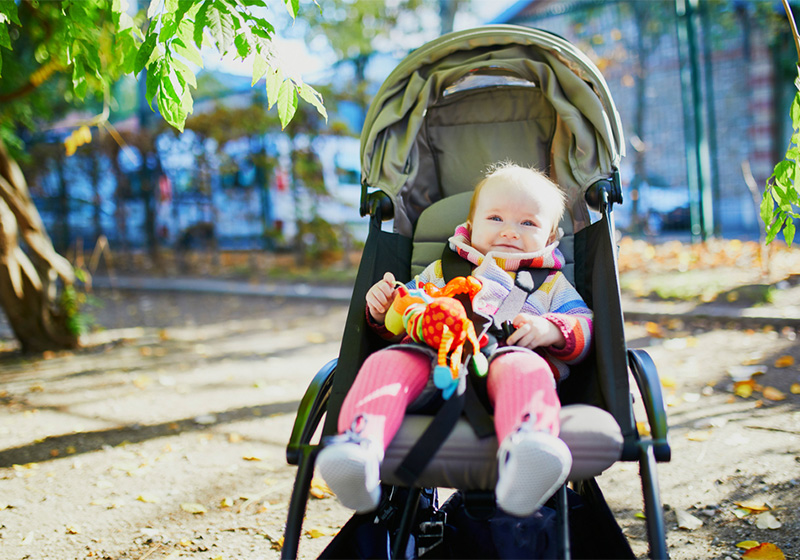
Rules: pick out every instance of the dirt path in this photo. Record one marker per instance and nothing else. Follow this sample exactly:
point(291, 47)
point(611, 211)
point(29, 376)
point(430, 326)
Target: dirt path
point(168, 441)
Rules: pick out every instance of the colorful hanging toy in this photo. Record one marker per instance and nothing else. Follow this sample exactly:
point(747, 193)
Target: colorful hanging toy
point(433, 316)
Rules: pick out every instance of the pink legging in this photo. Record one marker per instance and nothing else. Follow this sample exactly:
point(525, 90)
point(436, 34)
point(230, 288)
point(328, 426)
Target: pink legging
point(520, 387)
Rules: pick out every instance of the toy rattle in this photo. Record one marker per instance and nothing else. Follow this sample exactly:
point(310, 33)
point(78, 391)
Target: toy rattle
point(433, 316)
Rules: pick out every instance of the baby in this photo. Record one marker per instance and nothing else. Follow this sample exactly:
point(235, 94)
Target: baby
point(512, 226)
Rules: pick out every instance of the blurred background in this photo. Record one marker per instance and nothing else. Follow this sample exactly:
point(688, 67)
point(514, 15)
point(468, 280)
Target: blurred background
point(703, 88)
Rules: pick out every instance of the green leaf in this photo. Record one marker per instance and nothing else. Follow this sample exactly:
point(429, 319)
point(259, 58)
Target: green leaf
point(183, 8)
point(153, 79)
point(292, 6)
point(1, 64)
point(168, 28)
point(274, 82)
point(221, 26)
point(152, 10)
point(242, 45)
point(788, 232)
point(287, 102)
point(168, 88)
point(794, 112)
point(189, 52)
point(144, 52)
point(260, 67)
point(185, 72)
point(187, 102)
point(784, 171)
point(5, 40)
point(79, 78)
point(774, 228)
point(263, 25)
point(200, 24)
point(9, 9)
point(312, 96)
point(767, 208)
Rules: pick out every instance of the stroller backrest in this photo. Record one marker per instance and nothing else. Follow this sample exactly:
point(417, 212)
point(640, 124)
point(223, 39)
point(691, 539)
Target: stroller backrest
point(473, 98)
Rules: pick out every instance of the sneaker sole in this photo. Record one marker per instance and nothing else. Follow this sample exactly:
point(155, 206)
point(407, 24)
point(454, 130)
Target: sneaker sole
point(539, 465)
point(347, 472)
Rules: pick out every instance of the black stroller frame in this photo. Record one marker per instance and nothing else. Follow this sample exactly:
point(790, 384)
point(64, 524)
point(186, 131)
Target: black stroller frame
point(601, 381)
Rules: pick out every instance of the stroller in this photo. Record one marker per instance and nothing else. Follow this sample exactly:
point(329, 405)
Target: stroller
point(449, 109)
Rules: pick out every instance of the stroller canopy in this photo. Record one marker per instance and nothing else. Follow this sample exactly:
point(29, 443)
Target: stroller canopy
point(475, 97)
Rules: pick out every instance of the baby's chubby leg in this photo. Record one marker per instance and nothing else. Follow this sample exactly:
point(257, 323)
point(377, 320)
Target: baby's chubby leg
point(532, 461)
point(521, 387)
point(371, 414)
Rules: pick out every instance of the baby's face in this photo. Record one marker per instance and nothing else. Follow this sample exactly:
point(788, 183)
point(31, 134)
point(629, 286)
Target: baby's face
point(511, 218)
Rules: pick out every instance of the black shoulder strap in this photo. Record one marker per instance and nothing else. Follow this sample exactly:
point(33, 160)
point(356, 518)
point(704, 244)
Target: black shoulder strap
point(453, 265)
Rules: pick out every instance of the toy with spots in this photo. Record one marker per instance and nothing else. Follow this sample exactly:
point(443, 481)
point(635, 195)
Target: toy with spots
point(433, 316)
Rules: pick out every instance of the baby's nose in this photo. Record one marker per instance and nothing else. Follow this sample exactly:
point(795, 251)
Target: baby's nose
point(510, 231)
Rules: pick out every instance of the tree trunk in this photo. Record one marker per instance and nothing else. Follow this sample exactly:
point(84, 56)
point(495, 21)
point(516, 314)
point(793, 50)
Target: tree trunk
point(29, 280)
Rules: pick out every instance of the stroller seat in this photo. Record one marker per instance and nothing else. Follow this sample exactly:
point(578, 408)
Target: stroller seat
point(467, 462)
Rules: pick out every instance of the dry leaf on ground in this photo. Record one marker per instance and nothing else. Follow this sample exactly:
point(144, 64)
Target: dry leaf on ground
point(764, 551)
point(767, 521)
point(688, 521)
point(193, 507)
point(784, 361)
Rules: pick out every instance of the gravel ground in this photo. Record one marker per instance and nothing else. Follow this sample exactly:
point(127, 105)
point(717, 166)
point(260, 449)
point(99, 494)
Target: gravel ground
point(164, 437)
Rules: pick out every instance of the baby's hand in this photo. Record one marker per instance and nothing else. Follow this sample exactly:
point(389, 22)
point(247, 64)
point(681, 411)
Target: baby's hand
point(380, 297)
point(534, 331)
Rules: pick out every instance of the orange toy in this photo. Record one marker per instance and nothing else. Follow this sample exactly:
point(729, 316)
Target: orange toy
point(441, 323)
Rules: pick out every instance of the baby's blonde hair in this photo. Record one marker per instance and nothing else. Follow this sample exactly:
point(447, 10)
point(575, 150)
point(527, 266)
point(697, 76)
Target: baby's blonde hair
point(530, 175)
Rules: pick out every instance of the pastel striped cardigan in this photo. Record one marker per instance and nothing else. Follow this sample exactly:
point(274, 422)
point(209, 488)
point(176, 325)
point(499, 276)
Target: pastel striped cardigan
point(556, 299)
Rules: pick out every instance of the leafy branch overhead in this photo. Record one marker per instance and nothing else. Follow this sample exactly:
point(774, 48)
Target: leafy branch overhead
point(98, 41)
point(780, 204)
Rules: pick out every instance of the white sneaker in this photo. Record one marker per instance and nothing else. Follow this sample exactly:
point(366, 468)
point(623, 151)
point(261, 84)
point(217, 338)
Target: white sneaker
point(351, 468)
point(531, 467)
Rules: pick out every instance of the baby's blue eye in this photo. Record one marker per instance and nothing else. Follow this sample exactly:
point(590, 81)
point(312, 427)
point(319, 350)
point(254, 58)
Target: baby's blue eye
point(528, 223)
point(495, 218)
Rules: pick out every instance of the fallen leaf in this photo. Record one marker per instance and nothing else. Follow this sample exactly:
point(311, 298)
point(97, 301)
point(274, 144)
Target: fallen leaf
point(767, 521)
point(688, 521)
point(317, 533)
point(319, 489)
point(752, 505)
point(795, 389)
point(667, 381)
point(746, 371)
point(252, 458)
point(773, 394)
point(744, 389)
point(699, 435)
point(315, 338)
point(226, 503)
point(654, 330)
point(747, 544)
point(784, 361)
point(741, 513)
point(142, 381)
point(643, 428)
point(233, 437)
point(276, 544)
point(193, 507)
point(72, 530)
point(147, 498)
point(764, 551)
point(639, 515)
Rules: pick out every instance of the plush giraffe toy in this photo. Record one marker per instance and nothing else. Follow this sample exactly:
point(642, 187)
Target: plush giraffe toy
point(434, 317)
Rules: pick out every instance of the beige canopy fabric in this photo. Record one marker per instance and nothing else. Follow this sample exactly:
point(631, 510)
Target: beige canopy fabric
point(431, 133)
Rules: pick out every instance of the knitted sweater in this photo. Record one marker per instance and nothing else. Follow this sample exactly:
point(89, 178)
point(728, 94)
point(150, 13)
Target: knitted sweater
point(556, 299)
